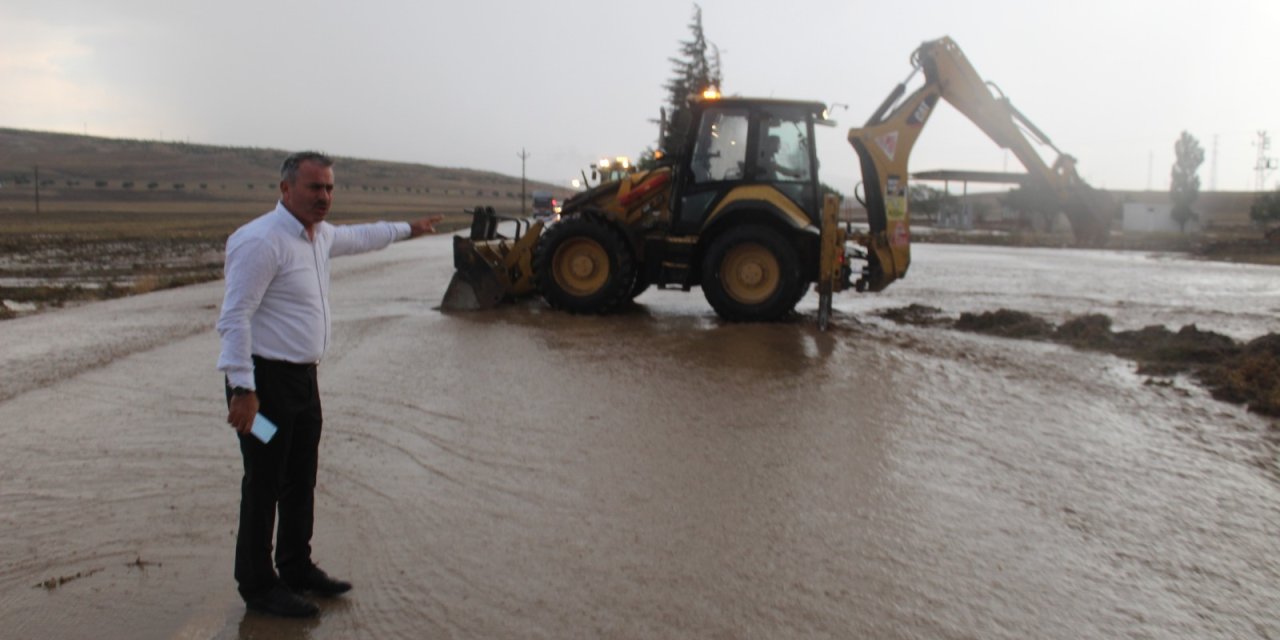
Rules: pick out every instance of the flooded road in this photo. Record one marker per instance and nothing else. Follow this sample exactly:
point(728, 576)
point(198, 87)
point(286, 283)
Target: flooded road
point(523, 473)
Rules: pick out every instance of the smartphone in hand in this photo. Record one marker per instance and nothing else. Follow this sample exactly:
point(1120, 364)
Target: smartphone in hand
point(263, 429)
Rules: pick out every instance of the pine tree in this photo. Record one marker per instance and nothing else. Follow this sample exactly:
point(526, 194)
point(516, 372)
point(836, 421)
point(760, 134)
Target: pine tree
point(694, 73)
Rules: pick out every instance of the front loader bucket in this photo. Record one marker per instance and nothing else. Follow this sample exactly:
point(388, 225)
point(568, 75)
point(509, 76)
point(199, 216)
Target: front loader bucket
point(488, 266)
point(474, 285)
point(471, 293)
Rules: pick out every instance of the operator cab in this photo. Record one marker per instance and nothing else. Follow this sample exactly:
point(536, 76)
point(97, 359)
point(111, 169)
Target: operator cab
point(739, 142)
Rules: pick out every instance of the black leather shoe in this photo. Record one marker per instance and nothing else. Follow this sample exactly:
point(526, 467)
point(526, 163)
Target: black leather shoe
point(317, 582)
point(280, 601)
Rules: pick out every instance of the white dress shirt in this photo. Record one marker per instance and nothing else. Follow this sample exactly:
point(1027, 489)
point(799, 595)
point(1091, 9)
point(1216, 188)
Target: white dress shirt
point(277, 300)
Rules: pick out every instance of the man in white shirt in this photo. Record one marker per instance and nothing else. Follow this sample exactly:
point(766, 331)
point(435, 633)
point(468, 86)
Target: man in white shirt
point(275, 326)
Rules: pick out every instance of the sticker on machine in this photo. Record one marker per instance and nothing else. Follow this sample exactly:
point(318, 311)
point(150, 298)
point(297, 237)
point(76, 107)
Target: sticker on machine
point(888, 143)
point(901, 237)
point(921, 114)
point(895, 208)
point(893, 187)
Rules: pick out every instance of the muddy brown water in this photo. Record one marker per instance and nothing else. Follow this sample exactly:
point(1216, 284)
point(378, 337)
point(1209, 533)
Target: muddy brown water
point(522, 473)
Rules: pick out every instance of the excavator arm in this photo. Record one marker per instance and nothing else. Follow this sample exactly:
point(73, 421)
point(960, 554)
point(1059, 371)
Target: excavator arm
point(884, 146)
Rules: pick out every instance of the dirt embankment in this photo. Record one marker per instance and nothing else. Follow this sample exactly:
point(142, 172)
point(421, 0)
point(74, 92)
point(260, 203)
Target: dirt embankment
point(1242, 373)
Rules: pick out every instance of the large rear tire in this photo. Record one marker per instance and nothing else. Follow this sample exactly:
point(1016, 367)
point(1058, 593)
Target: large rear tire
point(751, 274)
point(583, 264)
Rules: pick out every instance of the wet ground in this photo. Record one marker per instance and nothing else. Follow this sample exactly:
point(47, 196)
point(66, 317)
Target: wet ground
point(657, 474)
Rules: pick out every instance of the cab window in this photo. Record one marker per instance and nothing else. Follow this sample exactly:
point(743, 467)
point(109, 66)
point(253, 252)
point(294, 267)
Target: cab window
point(783, 150)
point(721, 150)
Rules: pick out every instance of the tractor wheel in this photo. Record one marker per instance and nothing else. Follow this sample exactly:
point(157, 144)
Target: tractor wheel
point(751, 274)
point(800, 293)
point(583, 265)
point(638, 287)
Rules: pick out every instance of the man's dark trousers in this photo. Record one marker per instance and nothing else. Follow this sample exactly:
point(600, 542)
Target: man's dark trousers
point(279, 475)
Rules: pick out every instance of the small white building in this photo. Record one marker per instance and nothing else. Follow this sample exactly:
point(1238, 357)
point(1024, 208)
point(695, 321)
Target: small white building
point(1147, 217)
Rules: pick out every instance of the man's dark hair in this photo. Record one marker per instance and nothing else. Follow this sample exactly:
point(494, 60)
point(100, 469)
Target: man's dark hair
point(289, 170)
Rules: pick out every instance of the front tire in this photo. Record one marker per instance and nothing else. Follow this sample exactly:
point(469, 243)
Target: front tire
point(583, 265)
point(752, 274)
point(638, 287)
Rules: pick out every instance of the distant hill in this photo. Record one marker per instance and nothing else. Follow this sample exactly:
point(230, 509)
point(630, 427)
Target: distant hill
point(87, 173)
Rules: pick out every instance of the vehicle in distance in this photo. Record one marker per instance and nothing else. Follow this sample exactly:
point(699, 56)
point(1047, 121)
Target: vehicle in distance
point(546, 208)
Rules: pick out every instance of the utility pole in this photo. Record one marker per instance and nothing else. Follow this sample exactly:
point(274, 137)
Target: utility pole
point(37, 189)
point(1213, 166)
point(523, 155)
point(662, 128)
point(1264, 164)
point(1151, 164)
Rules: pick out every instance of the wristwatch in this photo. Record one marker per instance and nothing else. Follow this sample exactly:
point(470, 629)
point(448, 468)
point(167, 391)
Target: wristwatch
point(240, 391)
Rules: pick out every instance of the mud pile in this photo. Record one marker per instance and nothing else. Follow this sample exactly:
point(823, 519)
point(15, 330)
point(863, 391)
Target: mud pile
point(1005, 323)
point(1251, 376)
point(921, 315)
point(1247, 374)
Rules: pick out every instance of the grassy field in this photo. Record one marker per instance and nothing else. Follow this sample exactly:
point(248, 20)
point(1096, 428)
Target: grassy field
point(78, 255)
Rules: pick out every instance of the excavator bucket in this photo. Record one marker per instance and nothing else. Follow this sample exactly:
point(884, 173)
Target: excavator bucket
point(489, 267)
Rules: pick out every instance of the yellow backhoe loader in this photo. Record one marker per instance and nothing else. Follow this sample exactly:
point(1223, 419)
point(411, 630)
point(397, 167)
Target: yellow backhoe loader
point(738, 210)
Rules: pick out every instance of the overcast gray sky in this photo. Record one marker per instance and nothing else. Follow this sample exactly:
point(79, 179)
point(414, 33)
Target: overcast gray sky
point(471, 83)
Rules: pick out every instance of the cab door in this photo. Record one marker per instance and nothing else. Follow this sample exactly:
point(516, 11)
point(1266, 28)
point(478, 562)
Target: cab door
point(783, 156)
point(717, 163)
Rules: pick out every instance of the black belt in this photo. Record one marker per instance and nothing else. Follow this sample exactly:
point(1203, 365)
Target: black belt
point(285, 364)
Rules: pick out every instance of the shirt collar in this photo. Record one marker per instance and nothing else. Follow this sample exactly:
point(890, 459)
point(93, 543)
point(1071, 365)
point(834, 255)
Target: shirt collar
point(291, 223)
